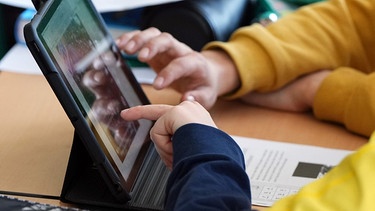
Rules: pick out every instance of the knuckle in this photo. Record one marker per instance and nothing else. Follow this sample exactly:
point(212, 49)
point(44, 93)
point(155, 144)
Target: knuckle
point(153, 30)
point(166, 35)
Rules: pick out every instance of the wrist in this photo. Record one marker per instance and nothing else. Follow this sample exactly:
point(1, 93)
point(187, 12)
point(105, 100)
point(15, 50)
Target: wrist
point(223, 70)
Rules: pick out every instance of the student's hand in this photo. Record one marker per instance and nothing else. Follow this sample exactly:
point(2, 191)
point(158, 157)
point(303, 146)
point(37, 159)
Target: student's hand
point(203, 76)
point(297, 96)
point(168, 120)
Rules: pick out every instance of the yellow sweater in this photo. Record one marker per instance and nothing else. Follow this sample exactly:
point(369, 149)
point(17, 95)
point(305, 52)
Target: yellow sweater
point(348, 186)
point(338, 35)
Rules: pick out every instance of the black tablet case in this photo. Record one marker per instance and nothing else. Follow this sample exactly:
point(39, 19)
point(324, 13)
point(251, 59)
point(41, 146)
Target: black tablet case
point(83, 183)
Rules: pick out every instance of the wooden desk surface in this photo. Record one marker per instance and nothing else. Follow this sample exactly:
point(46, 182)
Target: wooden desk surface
point(36, 136)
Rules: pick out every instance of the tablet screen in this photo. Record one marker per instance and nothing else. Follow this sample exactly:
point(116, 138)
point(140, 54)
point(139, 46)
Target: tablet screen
point(98, 79)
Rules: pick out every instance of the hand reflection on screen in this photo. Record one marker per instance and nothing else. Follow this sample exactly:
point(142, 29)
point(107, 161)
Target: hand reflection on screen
point(109, 101)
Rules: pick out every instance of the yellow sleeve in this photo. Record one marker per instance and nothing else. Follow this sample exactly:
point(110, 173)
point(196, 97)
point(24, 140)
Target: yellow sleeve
point(348, 186)
point(330, 35)
point(348, 96)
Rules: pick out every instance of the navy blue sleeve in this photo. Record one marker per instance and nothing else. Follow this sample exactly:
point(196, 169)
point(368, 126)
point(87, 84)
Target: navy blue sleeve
point(208, 171)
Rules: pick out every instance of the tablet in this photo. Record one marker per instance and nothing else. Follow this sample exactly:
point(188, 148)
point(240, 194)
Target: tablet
point(93, 83)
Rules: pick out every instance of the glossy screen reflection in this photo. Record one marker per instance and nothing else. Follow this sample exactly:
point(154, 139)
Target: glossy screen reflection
point(98, 80)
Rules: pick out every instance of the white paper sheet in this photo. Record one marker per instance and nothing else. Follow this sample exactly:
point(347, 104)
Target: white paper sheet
point(18, 59)
point(279, 169)
point(101, 5)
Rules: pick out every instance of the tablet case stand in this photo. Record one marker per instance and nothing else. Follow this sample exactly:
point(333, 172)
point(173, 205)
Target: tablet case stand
point(83, 183)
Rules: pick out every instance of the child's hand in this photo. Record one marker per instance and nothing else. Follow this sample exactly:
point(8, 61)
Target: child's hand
point(297, 96)
point(191, 73)
point(168, 120)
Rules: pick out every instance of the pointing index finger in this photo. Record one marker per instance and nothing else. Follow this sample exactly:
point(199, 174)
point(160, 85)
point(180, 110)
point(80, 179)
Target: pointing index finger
point(150, 112)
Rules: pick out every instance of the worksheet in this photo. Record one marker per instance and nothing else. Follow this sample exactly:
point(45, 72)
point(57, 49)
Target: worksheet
point(278, 169)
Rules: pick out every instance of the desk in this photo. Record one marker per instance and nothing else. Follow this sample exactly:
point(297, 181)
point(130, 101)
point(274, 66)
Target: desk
point(36, 136)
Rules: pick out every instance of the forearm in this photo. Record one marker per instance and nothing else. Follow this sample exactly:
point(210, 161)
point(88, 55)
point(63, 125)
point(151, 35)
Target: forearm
point(208, 171)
